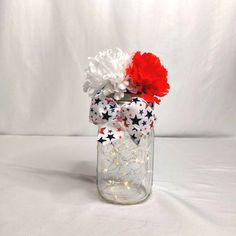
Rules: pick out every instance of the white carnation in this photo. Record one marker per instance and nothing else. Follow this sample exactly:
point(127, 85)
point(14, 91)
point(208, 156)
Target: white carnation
point(106, 73)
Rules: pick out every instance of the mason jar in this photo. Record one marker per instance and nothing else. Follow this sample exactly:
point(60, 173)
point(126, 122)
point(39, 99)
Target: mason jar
point(125, 169)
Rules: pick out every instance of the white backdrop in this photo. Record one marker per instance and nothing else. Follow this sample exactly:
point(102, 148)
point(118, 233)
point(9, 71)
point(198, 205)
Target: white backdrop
point(44, 45)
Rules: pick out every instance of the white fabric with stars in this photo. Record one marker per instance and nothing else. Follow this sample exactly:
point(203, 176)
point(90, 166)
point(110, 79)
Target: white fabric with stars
point(135, 117)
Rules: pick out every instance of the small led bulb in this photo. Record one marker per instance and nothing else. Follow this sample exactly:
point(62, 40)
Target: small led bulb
point(111, 181)
point(114, 151)
point(126, 184)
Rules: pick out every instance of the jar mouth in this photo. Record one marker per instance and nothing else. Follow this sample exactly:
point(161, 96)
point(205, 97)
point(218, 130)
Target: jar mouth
point(128, 98)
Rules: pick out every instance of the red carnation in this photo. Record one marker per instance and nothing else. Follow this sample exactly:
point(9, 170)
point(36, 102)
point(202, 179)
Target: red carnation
point(149, 76)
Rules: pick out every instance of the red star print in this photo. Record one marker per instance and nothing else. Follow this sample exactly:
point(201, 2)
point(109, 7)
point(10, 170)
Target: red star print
point(126, 124)
point(119, 129)
point(119, 119)
point(151, 125)
point(102, 130)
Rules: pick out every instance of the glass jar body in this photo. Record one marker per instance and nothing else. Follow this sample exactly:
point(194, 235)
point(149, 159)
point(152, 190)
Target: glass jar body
point(125, 169)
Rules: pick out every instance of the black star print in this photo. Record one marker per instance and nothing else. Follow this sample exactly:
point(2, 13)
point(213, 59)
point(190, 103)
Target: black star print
point(144, 123)
point(135, 100)
point(110, 131)
point(134, 129)
point(135, 120)
point(112, 110)
point(97, 100)
point(151, 104)
point(91, 109)
point(110, 136)
point(113, 106)
point(133, 136)
point(101, 140)
point(140, 112)
point(149, 114)
point(105, 108)
point(105, 116)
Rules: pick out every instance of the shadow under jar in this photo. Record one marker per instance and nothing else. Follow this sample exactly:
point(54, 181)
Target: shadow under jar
point(125, 170)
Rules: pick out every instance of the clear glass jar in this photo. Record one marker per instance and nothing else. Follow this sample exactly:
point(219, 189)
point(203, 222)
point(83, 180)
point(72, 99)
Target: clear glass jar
point(125, 170)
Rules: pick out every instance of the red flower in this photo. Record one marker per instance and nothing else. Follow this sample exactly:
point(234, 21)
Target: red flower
point(149, 76)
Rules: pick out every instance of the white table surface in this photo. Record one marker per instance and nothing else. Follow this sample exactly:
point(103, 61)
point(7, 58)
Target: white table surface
point(47, 187)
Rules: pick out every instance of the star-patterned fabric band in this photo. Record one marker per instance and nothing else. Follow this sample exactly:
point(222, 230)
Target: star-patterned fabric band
point(135, 117)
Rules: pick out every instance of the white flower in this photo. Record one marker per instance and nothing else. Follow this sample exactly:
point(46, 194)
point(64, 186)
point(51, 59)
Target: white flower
point(106, 74)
